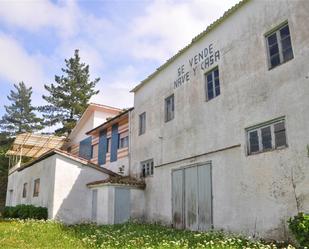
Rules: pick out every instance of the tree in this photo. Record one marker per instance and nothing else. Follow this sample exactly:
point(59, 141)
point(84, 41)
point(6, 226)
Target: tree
point(20, 116)
point(69, 96)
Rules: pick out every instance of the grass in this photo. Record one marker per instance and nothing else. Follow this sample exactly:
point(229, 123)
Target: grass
point(49, 234)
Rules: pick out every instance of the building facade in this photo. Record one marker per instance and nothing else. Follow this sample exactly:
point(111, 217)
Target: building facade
point(220, 131)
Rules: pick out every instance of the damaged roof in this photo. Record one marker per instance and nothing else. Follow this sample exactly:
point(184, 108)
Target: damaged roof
point(120, 180)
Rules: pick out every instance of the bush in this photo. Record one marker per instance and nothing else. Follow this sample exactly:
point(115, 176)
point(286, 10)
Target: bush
point(25, 212)
point(299, 225)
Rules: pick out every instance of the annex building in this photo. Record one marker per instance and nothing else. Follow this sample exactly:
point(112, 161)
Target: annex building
point(217, 139)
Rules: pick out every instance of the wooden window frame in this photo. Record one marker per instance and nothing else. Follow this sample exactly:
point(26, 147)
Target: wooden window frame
point(276, 31)
point(142, 124)
point(147, 168)
point(259, 128)
point(212, 72)
point(169, 114)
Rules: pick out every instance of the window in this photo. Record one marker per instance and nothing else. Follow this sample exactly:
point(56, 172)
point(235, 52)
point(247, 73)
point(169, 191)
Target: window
point(123, 140)
point(279, 46)
point(169, 108)
point(85, 148)
point(271, 135)
point(142, 123)
point(36, 189)
point(108, 145)
point(25, 190)
point(147, 168)
point(212, 84)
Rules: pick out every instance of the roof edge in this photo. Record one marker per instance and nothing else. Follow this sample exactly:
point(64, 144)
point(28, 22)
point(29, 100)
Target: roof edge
point(209, 28)
point(70, 156)
point(110, 120)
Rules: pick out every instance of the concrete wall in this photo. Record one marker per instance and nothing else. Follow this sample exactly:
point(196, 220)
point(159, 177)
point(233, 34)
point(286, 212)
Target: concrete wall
point(63, 188)
point(106, 203)
point(45, 171)
point(72, 198)
point(252, 194)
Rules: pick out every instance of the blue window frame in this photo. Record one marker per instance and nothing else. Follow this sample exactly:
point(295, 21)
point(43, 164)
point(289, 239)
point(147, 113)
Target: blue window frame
point(85, 148)
point(212, 85)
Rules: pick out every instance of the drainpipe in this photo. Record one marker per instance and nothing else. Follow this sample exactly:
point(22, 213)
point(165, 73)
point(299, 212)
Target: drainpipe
point(130, 143)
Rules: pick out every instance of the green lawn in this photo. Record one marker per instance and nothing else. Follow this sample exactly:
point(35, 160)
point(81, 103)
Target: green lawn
point(49, 234)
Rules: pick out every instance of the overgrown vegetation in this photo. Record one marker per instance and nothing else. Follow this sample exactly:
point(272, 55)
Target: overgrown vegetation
point(25, 212)
point(50, 234)
point(299, 225)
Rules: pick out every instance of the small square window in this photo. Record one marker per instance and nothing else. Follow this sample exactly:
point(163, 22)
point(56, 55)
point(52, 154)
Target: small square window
point(36, 189)
point(147, 168)
point(142, 123)
point(169, 108)
point(212, 84)
point(279, 46)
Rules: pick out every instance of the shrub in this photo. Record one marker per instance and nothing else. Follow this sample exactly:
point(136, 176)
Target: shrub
point(299, 225)
point(25, 212)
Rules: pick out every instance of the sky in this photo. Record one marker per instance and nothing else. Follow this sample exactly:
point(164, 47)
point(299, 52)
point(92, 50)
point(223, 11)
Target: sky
point(123, 41)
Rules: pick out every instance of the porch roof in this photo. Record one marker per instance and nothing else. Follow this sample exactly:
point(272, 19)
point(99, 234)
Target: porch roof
point(34, 145)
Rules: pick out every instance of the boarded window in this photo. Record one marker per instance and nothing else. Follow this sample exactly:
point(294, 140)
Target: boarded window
point(25, 190)
point(279, 46)
point(85, 148)
point(267, 136)
point(212, 84)
point(142, 123)
point(169, 108)
point(147, 168)
point(36, 189)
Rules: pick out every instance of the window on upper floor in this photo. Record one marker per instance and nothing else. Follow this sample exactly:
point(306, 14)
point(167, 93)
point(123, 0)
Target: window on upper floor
point(265, 137)
point(279, 46)
point(36, 189)
point(212, 84)
point(142, 123)
point(108, 145)
point(169, 108)
point(25, 190)
point(85, 148)
point(123, 140)
point(147, 168)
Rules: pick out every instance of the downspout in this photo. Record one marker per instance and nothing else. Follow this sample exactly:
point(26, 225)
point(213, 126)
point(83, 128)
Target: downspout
point(130, 143)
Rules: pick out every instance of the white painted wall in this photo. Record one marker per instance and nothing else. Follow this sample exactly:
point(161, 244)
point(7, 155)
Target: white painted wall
point(45, 171)
point(72, 198)
point(63, 188)
point(252, 194)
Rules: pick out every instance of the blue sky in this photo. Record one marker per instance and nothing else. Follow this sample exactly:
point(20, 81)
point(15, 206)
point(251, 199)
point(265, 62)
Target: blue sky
point(123, 41)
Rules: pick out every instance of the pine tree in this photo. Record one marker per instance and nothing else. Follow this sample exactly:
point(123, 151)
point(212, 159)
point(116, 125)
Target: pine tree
point(69, 96)
point(20, 116)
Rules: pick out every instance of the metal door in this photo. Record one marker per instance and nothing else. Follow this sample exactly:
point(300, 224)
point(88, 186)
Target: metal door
point(94, 205)
point(204, 197)
point(192, 197)
point(177, 199)
point(122, 205)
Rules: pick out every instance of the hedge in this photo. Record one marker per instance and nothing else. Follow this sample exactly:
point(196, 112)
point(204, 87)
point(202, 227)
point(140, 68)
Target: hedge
point(26, 212)
point(299, 225)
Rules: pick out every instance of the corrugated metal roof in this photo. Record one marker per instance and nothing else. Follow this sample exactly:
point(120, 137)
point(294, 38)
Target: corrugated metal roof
point(194, 40)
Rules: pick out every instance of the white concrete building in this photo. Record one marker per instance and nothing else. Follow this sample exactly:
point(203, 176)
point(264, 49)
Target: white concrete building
point(220, 131)
point(217, 138)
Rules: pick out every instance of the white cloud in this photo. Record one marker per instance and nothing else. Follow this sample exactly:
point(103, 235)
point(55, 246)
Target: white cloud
point(167, 26)
point(17, 65)
point(36, 15)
